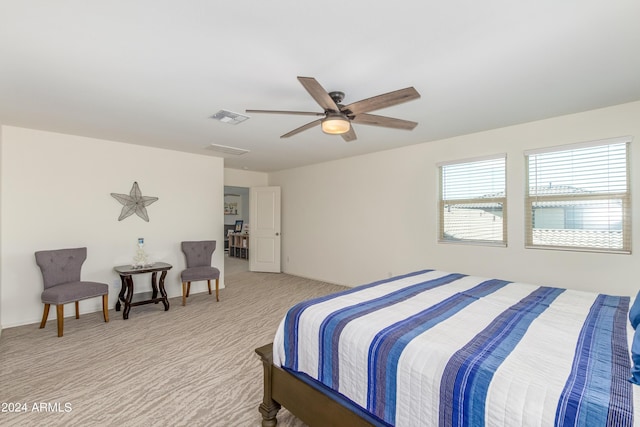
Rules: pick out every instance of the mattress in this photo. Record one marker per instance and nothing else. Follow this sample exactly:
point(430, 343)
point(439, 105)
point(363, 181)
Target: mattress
point(437, 348)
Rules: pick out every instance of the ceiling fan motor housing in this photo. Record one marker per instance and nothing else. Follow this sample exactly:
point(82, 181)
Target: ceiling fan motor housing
point(337, 96)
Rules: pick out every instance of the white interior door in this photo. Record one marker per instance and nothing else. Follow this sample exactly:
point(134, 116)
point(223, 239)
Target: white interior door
point(264, 229)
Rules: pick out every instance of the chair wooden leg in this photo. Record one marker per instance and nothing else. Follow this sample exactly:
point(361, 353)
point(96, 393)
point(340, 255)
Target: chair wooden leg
point(60, 317)
point(184, 293)
point(188, 289)
point(105, 307)
point(45, 315)
point(217, 289)
point(209, 285)
point(77, 310)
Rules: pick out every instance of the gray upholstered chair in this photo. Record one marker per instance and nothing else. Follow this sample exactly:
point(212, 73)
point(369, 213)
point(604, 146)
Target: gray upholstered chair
point(61, 275)
point(198, 256)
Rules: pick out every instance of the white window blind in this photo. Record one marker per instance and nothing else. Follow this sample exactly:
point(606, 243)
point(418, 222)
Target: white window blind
point(473, 202)
point(578, 197)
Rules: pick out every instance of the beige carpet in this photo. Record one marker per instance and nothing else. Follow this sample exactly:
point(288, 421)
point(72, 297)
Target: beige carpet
point(192, 365)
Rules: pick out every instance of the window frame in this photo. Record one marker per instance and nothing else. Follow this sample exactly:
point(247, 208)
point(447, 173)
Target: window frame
point(624, 197)
point(442, 203)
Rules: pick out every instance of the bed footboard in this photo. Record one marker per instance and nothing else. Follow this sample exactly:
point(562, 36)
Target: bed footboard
point(305, 402)
point(268, 408)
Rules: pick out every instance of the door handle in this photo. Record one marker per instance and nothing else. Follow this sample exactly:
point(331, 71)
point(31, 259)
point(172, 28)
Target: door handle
point(277, 234)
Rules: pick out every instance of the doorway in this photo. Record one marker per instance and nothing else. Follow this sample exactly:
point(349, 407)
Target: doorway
point(236, 221)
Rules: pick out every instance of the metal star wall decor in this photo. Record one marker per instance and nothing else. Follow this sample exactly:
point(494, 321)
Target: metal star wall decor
point(134, 202)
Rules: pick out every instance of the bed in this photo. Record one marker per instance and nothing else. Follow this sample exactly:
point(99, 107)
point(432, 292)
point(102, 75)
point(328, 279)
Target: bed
point(437, 348)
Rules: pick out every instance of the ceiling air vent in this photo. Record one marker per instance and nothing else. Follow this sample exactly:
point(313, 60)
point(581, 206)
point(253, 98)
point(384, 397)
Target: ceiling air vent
point(223, 149)
point(229, 117)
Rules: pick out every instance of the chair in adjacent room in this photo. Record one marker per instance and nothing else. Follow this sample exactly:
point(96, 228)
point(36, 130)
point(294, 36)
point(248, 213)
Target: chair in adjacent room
point(62, 284)
point(198, 255)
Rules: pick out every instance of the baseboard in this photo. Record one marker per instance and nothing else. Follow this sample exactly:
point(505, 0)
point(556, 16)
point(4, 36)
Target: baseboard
point(318, 280)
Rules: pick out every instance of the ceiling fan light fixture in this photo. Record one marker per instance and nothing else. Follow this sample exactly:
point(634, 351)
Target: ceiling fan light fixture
point(335, 124)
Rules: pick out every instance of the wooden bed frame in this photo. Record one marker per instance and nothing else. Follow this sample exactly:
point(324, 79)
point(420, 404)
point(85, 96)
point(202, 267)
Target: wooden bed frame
point(302, 400)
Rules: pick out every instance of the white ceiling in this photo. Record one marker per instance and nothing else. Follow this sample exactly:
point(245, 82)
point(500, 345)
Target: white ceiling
point(152, 72)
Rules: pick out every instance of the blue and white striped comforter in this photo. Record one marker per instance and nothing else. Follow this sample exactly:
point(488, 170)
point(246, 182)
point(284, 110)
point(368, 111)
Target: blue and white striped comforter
point(436, 348)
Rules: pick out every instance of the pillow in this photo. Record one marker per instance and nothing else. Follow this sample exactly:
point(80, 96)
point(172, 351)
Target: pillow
point(634, 312)
point(635, 358)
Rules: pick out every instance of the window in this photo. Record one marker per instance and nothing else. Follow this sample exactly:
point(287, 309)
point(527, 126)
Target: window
point(473, 202)
point(578, 197)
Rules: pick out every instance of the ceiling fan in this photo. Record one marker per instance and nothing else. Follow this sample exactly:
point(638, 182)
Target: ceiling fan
point(337, 118)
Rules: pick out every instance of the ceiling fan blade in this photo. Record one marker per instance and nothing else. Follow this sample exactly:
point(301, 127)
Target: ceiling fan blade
point(299, 113)
point(389, 122)
point(302, 128)
point(318, 93)
point(382, 101)
point(349, 136)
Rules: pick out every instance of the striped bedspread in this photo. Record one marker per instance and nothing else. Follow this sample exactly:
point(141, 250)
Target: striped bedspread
point(436, 348)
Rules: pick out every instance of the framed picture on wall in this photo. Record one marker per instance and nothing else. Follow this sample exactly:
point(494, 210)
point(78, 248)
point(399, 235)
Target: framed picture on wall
point(231, 204)
point(238, 227)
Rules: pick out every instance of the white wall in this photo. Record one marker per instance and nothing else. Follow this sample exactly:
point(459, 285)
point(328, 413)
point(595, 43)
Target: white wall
point(361, 219)
point(1, 180)
point(243, 178)
point(56, 194)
